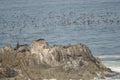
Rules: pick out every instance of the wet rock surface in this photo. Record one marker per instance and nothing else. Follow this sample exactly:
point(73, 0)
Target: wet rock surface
point(75, 61)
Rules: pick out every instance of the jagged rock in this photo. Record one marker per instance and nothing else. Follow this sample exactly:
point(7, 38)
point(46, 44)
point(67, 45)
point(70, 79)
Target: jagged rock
point(8, 47)
point(7, 72)
point(42, 51)
point(2, 70)
point(70, 58)
point(23, 48)
point(10, 73)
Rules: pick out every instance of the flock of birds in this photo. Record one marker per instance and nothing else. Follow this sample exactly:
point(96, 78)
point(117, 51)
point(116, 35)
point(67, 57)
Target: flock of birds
point(19, 22)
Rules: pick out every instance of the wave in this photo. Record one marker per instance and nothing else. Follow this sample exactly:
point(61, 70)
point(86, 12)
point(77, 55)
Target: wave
point(116, 69)
point(109, 56)
point(111, 61)
point(113, 64)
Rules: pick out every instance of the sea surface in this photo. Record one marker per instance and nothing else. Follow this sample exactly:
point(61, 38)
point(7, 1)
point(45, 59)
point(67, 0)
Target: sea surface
point(95, 23)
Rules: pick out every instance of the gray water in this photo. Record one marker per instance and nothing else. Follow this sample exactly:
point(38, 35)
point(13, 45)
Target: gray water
point(95, 23)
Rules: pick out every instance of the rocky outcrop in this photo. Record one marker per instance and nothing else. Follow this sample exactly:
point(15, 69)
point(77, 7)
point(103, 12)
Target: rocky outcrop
point(70, 58)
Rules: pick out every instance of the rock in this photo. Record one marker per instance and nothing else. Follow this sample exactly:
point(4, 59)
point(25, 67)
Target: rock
point(23, 48)
point(10, 73)
point(77, 59)
point(110, 74)
point(8, 47)
point(4, 72)
point(41, 49)
point(77, 55)
point(71, 57)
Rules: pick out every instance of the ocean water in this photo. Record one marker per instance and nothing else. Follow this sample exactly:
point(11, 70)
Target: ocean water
point(95, 23)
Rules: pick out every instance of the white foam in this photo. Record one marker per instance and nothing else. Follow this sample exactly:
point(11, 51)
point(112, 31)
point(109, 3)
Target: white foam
point(113, 65)
point(116, 69)
point(109, 56)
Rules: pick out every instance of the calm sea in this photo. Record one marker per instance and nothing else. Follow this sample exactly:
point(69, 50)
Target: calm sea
point(95, 23)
